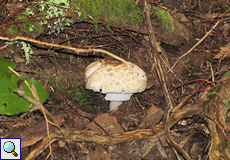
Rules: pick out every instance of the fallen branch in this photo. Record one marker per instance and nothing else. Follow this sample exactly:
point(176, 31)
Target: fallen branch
point(63, 46)
point(37, 105)
point(36, 101)
point(33, 134)
point(161, 76)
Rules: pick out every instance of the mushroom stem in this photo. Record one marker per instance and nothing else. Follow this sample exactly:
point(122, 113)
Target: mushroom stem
point(114, 105)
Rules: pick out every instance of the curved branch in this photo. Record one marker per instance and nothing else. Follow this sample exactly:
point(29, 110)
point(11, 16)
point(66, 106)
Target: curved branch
point(63, 46)
point(89, 136)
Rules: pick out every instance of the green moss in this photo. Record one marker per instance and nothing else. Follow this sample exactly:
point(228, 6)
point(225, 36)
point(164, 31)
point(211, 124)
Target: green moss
point(29, 26)
point(2, 30)
point(122, 11)
point(13, 30)
point(38, 27)
point(226, 75)
point(26, 27)
point(165, 18)
point(223, 143)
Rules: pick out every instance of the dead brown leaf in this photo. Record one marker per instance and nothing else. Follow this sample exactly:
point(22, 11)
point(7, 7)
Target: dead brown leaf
point(108, 123)
point(154, 115)
point(224, 53)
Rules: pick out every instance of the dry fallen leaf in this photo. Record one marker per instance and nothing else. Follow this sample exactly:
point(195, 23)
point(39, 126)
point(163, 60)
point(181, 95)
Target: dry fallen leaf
point(224, 53)
point(154, 115)
point(108, 123)
point(61, 143)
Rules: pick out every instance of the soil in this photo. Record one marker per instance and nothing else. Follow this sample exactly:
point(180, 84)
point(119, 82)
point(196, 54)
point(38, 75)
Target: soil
point(61, 72)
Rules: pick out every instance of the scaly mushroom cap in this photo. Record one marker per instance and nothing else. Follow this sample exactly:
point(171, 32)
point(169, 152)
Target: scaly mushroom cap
point(92, 67)
point(108, 76)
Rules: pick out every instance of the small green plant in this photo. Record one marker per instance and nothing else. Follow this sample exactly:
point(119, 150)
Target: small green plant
point(28, 51)
point(223, 143)
point(227, 104)
point(26, 27)
point(213, 92)
point(187, 61)
point(54, 11)
point(51, 9)
point(226, 75)
point(71, 90)
point(25, 47)
point(84, 149)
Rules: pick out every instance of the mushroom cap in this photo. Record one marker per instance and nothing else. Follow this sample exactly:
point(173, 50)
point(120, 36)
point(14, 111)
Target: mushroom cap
point(109, 76)
point(92, 67)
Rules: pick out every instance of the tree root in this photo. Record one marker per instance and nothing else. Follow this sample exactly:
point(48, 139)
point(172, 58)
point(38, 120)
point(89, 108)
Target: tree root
point(72, 135)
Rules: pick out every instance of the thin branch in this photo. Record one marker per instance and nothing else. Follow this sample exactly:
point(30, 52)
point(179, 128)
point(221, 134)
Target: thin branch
point(37, 105)
point(66, 47)
point(201, 40)
point(160, 73)
point(73, 135)
point(152, 127)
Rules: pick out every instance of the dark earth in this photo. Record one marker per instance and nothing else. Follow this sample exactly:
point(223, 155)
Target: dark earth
point(61, 72)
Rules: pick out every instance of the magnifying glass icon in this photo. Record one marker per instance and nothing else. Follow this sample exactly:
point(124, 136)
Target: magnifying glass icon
point(9, 147)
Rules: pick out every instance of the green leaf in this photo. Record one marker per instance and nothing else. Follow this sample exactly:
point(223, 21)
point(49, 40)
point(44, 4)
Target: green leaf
point(10, 102)
point(4, 63)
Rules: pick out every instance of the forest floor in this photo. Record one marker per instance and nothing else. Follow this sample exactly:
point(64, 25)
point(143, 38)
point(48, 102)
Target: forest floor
point(194, 126)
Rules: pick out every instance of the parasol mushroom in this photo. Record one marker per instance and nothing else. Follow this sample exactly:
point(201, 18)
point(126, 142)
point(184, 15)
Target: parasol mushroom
point(118, 80)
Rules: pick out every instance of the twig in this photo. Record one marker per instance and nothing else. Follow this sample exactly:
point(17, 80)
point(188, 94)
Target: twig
point(42, 108)
point(151, 126)
point(169, 107)
point(171, 70)
point(166, 118)
point(66, 47)
point(73, 135)
point(152, 40)
point(196, 44)
point(212, 73)
point(45, 143)
point(37, 104)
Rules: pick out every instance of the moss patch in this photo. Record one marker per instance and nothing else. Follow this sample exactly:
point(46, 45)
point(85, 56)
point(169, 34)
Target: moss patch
point(27, 27)
point(165, 19)
point(122, 11)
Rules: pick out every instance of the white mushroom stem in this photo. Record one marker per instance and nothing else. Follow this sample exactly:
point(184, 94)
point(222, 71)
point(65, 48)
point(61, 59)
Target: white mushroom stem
point(118, 96)
point(114, 105)
point(116, 99)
